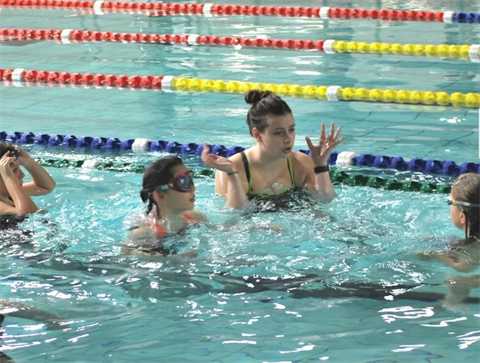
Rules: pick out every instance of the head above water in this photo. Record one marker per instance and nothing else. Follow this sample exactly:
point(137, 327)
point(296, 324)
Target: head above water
point(264, 104)
point(6, 147)
point(165, 175)
point(14, 152)
point(466, 214)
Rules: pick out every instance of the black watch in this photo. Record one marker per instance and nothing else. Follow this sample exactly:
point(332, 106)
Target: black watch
point(321, 169)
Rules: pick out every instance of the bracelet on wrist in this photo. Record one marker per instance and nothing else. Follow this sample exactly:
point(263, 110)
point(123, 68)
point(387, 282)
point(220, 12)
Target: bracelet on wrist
point(321, 169)
point(233, 172)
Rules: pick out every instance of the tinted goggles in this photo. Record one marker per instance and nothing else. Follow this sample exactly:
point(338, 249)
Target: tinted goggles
point(181, 183)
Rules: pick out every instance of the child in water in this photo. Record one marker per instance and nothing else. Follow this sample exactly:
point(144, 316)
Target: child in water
point(14, 195)
point(463, 256)
point(169, 190)
point(170, 193)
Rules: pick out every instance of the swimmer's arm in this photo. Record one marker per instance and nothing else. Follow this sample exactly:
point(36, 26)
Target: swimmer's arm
point(198, 216)
point(146, 233)
point(18, 310)
point(128, 250)
point(232, 187)
point(237, 228)
point(141, 233)
point(42, 182)
point(320, 183)
point(23, 203)
point(459, 262)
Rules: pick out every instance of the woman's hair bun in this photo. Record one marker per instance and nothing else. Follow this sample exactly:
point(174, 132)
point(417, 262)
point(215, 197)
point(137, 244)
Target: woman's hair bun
point(255, 96)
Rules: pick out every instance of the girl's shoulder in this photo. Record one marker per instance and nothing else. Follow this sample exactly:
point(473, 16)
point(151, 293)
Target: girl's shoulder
point(195, 216)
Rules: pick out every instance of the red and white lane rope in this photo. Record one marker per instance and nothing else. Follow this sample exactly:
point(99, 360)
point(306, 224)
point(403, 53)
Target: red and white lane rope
point(328, 46)
point(207, 9)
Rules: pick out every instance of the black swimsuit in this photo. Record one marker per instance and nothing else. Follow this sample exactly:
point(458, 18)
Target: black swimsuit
point(288, 198)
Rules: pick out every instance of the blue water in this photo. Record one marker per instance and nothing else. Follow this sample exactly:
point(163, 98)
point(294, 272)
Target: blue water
point(124, 309)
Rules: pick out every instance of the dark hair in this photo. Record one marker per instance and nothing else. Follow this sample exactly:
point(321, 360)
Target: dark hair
point(264, 104)
point(467, 189)
point(158, 173)
point(5, 147)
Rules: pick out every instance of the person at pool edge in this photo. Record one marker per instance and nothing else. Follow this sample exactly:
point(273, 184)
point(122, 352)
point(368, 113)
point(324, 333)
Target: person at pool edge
point(464, 255)
point(271, 167)
point(14, 195)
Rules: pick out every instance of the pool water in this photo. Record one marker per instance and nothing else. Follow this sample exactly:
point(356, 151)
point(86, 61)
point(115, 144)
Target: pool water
point(251, 295)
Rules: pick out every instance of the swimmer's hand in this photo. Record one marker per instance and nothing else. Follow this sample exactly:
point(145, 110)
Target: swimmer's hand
point(24, 159)
point(7, 164)
point(321, 152)
point(426, 255)
point(188, 254)
point(134, 251)
point(217, 162)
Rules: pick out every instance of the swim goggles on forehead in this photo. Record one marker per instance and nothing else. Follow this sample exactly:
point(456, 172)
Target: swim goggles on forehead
point(450, 201)
point(181, 183)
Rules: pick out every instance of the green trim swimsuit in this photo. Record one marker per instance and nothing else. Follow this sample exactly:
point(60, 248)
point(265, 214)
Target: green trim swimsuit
point(254, 195)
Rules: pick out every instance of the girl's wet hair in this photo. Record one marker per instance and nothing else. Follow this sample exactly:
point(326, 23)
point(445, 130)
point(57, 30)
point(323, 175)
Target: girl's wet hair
point(264, 104)
point(158, 173)
point(467, 189)
point(5, 147)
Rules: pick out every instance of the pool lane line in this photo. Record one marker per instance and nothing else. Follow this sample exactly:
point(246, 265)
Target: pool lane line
point(208, 10)
point(20, 77)
point(329, 46)
point(191, 149)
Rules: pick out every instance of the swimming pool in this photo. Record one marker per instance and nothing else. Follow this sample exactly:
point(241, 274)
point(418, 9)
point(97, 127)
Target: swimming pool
point(262, 296)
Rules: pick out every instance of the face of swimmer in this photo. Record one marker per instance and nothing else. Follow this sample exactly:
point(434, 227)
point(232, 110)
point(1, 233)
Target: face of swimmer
point(179, 194)
point(278, 137)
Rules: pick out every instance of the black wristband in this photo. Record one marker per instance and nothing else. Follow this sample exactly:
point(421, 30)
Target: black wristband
point(321, 169)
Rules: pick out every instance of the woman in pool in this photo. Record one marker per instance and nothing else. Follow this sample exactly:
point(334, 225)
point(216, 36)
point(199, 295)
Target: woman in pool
point(271, 167)
point(463, 256)
point(14, 195)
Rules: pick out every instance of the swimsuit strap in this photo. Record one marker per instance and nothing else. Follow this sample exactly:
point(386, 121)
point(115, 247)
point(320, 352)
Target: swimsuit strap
point(291, 172)
point(159, 230)
point(247, 172)
point(250, 181)
point(189, 218)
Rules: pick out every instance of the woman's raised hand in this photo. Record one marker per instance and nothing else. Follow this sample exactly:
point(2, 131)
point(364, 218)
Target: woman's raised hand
point(217, 162)
point(322, 151)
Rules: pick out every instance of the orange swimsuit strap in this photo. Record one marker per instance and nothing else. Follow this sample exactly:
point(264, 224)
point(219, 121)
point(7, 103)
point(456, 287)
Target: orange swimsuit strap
point(160, 230)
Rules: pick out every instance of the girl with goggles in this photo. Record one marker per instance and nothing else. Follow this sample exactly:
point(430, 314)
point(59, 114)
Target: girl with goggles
point(464, 256)
point(169, 192)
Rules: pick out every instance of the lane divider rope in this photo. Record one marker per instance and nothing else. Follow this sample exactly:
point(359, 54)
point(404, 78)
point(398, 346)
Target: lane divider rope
point(329, 46)
point(337, 176)
point(31, 77)
point(344, 158)
point(209, 9)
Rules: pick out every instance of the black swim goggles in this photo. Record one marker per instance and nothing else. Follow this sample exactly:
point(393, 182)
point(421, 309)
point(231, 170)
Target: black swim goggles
point(181, 183)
